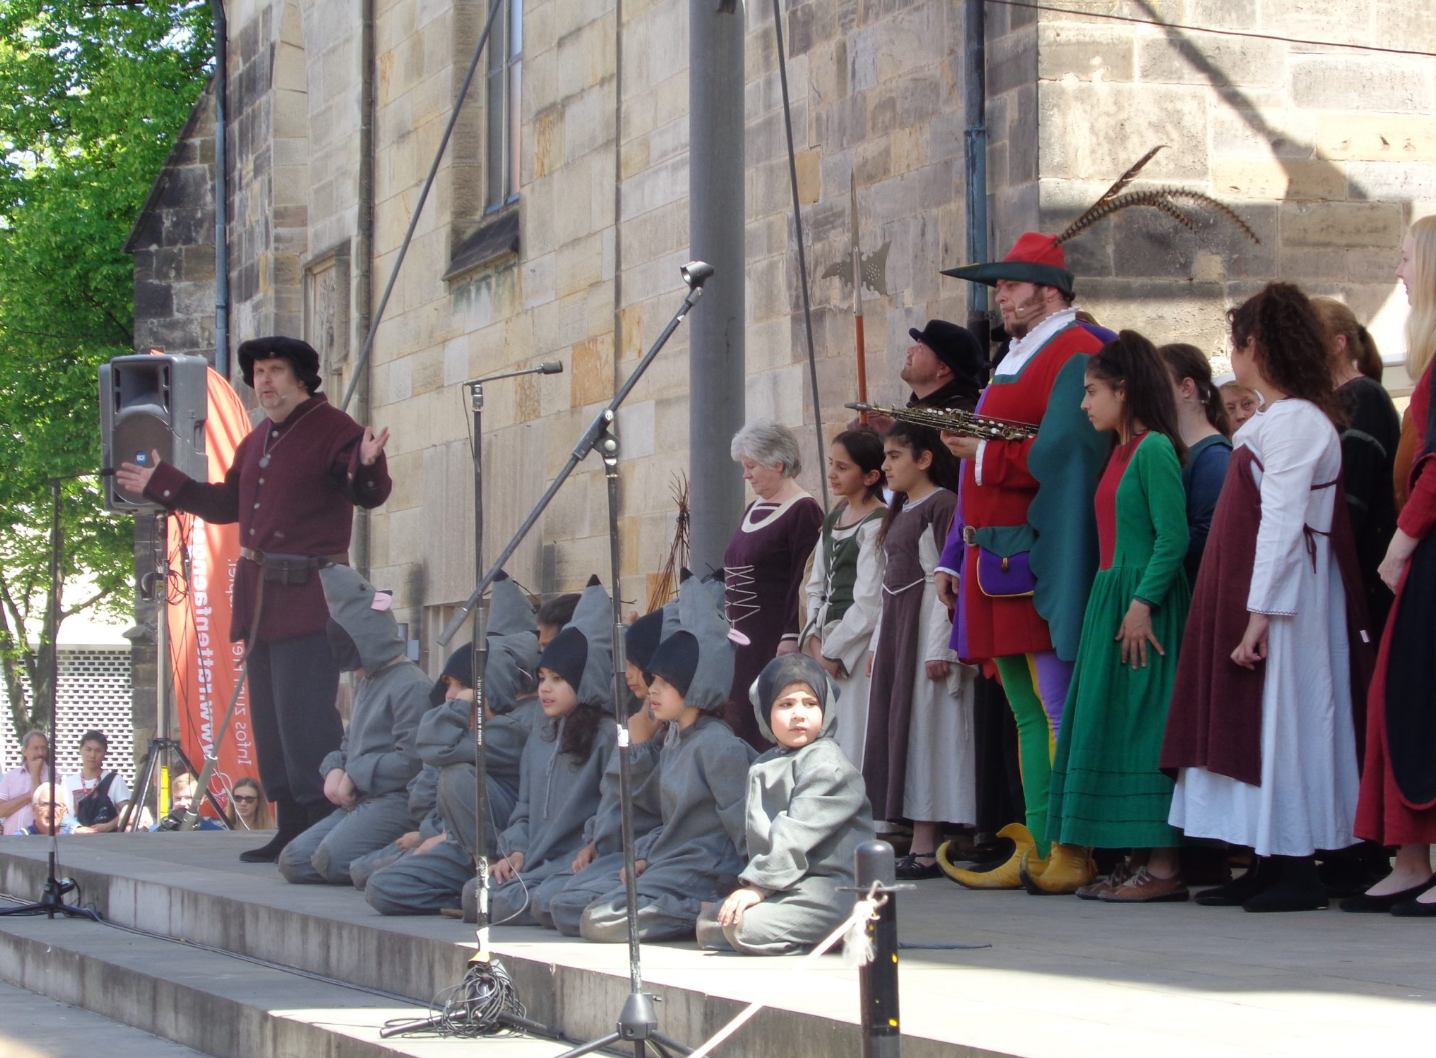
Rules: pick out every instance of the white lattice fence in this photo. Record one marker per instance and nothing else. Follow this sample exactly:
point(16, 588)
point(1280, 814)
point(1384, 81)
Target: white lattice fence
point(94, 693)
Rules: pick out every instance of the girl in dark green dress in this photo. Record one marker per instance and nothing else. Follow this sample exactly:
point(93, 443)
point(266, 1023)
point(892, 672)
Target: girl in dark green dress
point(1107, 790)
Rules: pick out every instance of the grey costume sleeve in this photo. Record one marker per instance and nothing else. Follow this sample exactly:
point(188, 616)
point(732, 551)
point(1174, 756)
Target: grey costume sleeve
point(423, 794)
point(335, 758)
point(827, 796)
point(515, 837)
point(726, 773)
point(444, 737)
point(388, 758)
point(605, 829)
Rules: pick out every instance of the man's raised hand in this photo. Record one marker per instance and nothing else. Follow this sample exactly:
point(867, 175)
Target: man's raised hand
point(134, 478)
point(372, 446)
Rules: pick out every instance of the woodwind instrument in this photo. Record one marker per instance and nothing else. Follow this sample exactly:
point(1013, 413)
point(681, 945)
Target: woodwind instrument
point(955, 421)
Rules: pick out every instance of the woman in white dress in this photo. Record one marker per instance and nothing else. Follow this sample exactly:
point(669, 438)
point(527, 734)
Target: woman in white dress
point(845, 587)
point(1261, 731)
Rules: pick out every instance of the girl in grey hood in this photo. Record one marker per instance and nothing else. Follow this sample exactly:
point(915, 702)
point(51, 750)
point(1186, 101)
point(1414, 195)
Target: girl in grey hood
point(807, 811)
point(701, 768)
point(561, 765)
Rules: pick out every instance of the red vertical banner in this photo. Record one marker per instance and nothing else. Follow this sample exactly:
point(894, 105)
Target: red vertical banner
point(205, 665)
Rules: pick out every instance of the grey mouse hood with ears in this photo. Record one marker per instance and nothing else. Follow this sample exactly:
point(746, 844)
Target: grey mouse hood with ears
point(709, 676)
point(510, 610)
point(793, 668)
point(588, 640)
point(365, 614)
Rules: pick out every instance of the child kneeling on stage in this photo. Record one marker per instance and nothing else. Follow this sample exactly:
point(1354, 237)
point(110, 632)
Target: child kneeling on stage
point(559, 772)
point(806, 815)
point(701, 767)
point(366, 779)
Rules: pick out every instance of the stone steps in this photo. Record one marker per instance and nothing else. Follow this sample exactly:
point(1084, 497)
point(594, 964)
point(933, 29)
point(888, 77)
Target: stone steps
point(213, 1003)
point(33, 1026)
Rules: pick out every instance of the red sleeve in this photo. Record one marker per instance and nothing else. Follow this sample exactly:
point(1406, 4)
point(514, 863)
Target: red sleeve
point(1419, 515)
point(1004, 464)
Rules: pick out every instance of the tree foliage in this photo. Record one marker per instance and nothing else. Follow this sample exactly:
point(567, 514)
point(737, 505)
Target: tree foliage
point(92, 94)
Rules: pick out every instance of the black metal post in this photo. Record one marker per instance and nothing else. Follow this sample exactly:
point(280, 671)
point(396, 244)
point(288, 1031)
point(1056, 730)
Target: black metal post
point(974, 105)
point(878, 980)
point(480, 647)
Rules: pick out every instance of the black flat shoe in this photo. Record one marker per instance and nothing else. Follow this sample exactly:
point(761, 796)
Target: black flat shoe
point(1259, 877)
point(1414, 909)
point(908, 869)
point(1366, 904)
point(267, 853)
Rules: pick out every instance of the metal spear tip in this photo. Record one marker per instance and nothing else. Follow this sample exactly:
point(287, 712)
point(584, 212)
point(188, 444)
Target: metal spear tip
point(696, 273)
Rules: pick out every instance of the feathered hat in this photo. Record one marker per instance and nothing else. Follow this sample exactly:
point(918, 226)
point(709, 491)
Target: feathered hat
point(1039, 258)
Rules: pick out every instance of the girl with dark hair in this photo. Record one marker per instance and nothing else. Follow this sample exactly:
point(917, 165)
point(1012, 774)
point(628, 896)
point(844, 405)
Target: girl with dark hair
point(1261, 733)
point(1107, 790)
point(1205, 429)
point(1368, 446)
point(845, 586)
point(561, 766)
point(918, 760)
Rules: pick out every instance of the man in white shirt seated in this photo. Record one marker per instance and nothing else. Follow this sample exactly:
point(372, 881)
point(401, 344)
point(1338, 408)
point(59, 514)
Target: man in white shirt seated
point(108, 800)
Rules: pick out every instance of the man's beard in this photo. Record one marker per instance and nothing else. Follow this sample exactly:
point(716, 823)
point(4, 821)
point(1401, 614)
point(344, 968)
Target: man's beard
point(1025, 314)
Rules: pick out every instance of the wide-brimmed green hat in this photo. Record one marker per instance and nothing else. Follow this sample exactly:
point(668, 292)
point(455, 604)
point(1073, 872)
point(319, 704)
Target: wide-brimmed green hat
point(1035, 258)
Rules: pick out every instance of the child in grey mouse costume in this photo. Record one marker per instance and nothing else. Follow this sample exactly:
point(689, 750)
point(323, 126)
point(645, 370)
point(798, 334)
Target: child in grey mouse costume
point(561, 765)
point(595, 870)
point(431, 878)
point(807, 811)
point(702, 769)
point(367, 777)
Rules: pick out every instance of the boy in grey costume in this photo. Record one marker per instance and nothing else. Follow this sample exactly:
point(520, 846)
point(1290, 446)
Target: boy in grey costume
point(702, 774)
point(369, 774)
point(428, 881)
point(807, 811)
point(557, 793)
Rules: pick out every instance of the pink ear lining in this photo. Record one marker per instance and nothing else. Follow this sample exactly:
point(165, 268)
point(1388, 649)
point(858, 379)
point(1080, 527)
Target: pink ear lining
point(382, 601)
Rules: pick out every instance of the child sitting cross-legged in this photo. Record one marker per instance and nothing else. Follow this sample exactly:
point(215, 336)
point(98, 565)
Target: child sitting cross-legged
point(806, 815)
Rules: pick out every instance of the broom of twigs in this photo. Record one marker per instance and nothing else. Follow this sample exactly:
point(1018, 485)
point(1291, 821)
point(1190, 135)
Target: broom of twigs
point(667, 584)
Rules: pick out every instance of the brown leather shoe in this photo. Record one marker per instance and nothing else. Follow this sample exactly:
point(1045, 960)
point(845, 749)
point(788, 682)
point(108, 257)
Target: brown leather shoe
point(1110, 883)
point(1144, 887)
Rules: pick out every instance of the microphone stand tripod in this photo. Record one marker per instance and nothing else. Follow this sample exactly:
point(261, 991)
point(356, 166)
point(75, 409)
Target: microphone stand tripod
point(637, 1022)
point(52, 898)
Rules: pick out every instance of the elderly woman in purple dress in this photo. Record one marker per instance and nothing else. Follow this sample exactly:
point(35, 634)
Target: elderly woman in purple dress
point(764, 563)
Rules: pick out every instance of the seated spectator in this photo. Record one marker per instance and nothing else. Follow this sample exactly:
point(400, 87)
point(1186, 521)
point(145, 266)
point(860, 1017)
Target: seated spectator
point(248, 807)
point(46, 813)
point(19, 783)
point(182, 795)
point(99, 796)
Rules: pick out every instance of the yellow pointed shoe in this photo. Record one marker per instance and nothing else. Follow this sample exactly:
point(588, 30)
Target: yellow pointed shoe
point(1069, 867)
point(1003, 876)
point(1031, 867)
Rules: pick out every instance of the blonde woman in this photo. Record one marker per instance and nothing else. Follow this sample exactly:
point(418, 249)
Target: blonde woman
point(1398, 785)
point(248, 808)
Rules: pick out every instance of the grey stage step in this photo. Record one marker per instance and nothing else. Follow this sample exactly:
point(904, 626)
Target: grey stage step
point(34, 1026)
point(216, 1004)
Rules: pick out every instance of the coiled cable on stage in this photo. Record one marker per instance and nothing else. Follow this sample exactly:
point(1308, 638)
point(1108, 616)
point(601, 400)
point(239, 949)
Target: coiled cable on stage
point(484, 1003)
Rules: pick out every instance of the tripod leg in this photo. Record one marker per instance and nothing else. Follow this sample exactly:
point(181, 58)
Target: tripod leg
point(667, 1044)
point(204, 777)
point(135, 809)
point(594, 1045)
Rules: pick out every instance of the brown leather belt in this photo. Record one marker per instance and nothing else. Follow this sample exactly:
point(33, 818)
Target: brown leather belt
point(259, 557)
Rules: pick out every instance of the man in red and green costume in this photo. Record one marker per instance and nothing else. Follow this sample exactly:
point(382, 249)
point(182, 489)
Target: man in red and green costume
point(1022, 551)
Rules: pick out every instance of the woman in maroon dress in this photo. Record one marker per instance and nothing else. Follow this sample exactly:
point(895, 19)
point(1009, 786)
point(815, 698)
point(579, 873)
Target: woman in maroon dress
point(764, 563)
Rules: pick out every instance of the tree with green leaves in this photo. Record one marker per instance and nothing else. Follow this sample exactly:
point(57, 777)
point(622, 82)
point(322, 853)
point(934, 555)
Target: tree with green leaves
point(92, 95)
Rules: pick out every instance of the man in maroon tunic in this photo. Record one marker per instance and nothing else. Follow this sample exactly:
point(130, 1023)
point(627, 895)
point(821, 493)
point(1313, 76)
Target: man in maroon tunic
point(292, 488)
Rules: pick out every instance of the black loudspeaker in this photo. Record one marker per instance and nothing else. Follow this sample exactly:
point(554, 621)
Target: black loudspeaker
point(155, 403)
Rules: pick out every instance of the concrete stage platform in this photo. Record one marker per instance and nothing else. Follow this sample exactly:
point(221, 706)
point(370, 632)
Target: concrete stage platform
point(1062, 978)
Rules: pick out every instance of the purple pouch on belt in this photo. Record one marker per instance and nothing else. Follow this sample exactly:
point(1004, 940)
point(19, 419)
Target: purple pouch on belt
point(1004, 576)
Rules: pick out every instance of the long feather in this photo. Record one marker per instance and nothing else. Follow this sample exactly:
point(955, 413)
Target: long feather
point(1106, 209)
point(1086, 219)
point(1221, 208)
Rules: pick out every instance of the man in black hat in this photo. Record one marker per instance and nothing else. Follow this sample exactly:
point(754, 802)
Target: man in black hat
point(293, 487)
point(945, 367)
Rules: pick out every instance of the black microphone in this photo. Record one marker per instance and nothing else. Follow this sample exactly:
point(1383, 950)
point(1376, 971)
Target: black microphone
point(696, 273)
point(548, 367)
point(551, 367)
point(106, 472)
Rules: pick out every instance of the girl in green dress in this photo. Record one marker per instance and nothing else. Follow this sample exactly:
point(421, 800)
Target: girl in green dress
point(1107, 790)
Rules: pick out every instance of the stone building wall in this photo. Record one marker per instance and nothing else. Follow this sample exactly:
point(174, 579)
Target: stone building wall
point(1327, 153)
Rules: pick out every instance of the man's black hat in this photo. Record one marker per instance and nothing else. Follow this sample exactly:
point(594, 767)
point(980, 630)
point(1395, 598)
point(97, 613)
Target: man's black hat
point(956, 347)
point(299, 353)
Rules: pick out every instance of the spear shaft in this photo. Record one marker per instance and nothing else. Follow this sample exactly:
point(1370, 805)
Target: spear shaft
point(858, 301)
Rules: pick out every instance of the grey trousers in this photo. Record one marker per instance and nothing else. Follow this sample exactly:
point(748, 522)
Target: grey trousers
point(323, 853)
point(566, 907)
point(362, 868)
point(786, 923)
point(421, 884)
point(458, 806)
